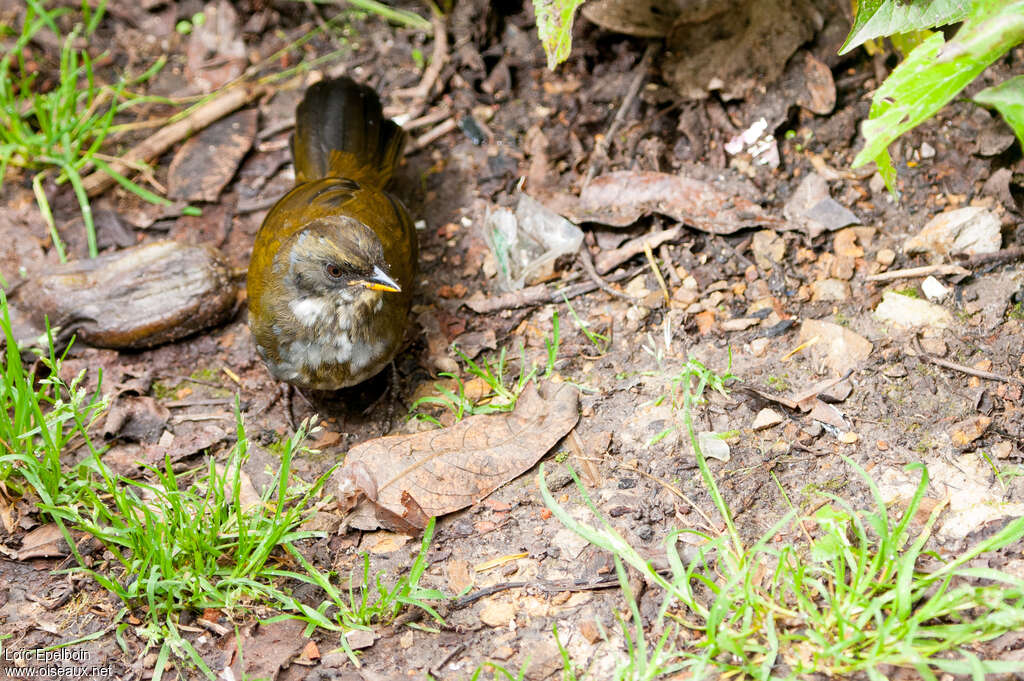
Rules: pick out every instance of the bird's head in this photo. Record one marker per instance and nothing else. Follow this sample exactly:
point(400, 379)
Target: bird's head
point(338, 259)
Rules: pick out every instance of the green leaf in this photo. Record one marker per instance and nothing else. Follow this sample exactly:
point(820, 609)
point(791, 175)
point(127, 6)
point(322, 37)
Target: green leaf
point(936, 71)
point(878, 18)
point(1008, 99)
point(554, 27)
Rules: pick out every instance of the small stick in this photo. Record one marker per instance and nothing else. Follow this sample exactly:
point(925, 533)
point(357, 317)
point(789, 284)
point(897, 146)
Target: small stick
point(601, 148)
point(539, 294)
point(912, 272)
point(970, 371)
point(434, 134)
point(999, 257)
point(438, 58)
point(426, 119)
point(609, 260)
point(657, 273)
point(588, 267)
point(231, 99)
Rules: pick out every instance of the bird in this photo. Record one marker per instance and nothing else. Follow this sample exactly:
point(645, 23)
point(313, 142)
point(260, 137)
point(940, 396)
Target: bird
point(331, 275)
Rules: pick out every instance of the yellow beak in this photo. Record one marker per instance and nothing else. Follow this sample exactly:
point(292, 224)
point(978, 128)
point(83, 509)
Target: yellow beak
point(380, 281)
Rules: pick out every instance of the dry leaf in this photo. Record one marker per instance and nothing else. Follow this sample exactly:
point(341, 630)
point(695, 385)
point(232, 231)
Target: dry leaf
point(621, 198)
point(208, 161)
point(414, 477)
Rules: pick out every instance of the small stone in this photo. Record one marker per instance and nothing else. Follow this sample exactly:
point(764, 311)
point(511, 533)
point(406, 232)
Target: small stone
point(882, 446)
point(360, 638)
point(839, 348)
point(503, 653)
point(685, 296)
point(927, 150)
point(885, 257)
point(1002, 450)
point(969, 430)
point(933, 289)
point(713, 446)
point(876, 184)
point(768, 248)
point(637, 287)
point(759, 346)
point(934, 346)
point(848, 438)
point(843, 268)
point(589, 631)
point(497, 613)
point(766, 418)
point(830, 290)
point(904, 311)
point(970, 230)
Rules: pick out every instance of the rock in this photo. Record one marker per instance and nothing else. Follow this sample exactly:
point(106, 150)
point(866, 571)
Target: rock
point(713, 446)
point(768, 247)
point(1002, 449)
point(813, 210)
point(839, 348)
point(497, 613)
point(766, 418)
point(934, 346)
point(885, 257)
point(907, 312)
point(759, 346)
point(831, 214)
point(830, 290)
point(927, 150)
point(934, 290)
point(969, 430)
point(970, 230)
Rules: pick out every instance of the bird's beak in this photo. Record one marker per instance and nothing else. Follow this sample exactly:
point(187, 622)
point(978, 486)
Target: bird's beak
point(380, 281)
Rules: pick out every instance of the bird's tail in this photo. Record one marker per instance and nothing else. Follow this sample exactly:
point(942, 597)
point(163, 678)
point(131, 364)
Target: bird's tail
point(340, 131)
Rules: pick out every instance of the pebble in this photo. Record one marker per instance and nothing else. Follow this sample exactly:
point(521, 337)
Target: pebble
point(904, 311)
point(969, 430)
point(766, 418)
point(830, 290)
point(927, 150)
point(934, 346)
point(885, 257)
point(759, 346)
point(934, 290)
point(970, 230)
point(497, 613)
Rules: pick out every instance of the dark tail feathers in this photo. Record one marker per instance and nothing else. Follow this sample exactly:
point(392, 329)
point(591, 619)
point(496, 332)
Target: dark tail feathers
point(340, 131)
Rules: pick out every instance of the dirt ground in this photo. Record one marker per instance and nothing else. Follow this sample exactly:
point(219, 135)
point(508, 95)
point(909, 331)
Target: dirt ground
point(747, 294)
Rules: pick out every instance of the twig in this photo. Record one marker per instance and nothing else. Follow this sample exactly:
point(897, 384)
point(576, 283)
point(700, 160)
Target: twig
point(588, 267)
point(539, 294)
point(434, 133)
point(426, 119)
point(438, 58)
point(999, 257)
point(609, 260)
point(657, 273)
point(970, 371)
point(231, 99)
point(601, 148)
point(912, 272)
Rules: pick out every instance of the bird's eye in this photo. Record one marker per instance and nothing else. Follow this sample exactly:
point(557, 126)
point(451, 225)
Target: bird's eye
point(334, 270)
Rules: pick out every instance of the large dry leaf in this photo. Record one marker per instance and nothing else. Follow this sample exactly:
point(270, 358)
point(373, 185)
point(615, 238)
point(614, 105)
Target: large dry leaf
point(651, 18)
point(738, 51)
point(621, 198)
point(413, 477)
point(208, 161)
